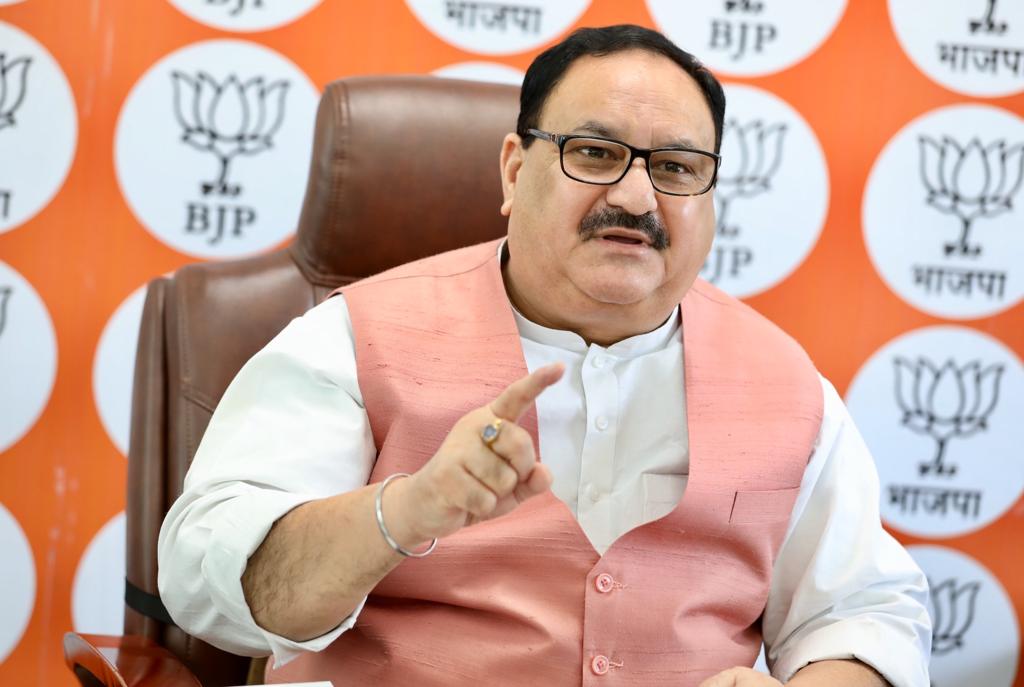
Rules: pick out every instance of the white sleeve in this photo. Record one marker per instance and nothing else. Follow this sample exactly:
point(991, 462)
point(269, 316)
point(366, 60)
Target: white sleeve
point(290, 428)
point(842, 587)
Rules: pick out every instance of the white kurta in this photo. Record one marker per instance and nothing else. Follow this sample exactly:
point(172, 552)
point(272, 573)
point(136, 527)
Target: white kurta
point(291, 428)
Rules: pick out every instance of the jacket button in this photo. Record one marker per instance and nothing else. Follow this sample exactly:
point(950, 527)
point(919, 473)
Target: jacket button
point(604, 583)
point(599, 665)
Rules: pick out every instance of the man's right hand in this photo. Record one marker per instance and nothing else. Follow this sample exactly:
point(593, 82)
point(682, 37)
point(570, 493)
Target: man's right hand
point(334, 547)
point(467, 481)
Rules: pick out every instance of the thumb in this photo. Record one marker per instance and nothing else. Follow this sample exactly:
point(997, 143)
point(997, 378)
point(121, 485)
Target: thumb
point(539, 481)
point(727, 678)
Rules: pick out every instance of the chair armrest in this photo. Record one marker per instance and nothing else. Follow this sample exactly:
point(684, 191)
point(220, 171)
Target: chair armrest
point(129, 661)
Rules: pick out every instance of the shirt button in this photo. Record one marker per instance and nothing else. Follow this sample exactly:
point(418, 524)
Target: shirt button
point(599, 665)
point(604, 583)
point(592, 493)
point(601, 423)
point(599, 361)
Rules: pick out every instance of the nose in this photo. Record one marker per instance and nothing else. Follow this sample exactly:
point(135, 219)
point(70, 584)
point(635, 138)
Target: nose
point(634, 192)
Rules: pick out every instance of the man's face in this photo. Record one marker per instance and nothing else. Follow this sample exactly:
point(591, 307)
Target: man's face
point(647, 101)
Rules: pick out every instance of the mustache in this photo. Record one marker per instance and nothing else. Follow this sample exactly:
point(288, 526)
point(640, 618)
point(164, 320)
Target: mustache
point(606, 218)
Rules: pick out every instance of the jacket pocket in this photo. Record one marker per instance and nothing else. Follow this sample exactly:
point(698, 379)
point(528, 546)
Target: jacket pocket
point(772, 505)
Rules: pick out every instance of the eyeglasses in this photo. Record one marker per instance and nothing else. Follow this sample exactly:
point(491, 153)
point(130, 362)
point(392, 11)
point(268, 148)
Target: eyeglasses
point(604, 161)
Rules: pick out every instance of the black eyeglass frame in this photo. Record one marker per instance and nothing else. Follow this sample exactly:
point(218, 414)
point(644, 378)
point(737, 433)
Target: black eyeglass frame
point(643, 153)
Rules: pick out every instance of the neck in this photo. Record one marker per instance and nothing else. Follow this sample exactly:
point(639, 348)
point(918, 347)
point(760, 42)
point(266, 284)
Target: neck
point(603, 324)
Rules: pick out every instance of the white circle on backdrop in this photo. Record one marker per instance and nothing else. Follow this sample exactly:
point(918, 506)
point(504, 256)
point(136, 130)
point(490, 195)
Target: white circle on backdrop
point(28, 356)
point(953, 168)
point(213, 145)
point(245, 15)
point(97, 595)
point(939, 407)
point(975, 632)
point(38, 127)
point(490, 72)
point(17, 583)
point(497, 28)
point(974, 48)
point(772, 194)
point(748, 37)
point(113, 368)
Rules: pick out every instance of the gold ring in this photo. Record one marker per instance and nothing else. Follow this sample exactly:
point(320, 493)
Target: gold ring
point(489, 434)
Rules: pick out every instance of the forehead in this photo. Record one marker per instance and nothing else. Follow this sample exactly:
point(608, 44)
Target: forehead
point(644, 98)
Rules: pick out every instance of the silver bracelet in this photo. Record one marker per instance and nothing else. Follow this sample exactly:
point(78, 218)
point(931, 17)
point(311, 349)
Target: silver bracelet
point(384, 528)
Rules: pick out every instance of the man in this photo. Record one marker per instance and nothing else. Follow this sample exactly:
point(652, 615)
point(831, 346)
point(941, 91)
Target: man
point(700, 484)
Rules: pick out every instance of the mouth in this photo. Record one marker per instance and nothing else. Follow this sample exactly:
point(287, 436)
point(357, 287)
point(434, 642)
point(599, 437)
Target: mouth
point(626, 237)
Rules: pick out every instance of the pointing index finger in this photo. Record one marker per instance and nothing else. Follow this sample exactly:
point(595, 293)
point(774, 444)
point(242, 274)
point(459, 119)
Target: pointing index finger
point(520, 394)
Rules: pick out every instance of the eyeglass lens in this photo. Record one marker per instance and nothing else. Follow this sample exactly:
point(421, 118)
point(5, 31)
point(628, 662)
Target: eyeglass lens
point(602, 162)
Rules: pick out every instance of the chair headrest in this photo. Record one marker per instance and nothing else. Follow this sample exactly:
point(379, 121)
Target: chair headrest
point(403, 167)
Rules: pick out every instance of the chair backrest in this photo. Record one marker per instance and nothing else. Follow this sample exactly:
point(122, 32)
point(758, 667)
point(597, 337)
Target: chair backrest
point(402, 168)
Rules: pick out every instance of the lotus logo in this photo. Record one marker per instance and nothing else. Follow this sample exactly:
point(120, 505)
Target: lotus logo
point(753, 152)
point(5, 295)
point(228, 119)
point(945, 402)
point(952, 610)
point(970, 181)
point(239, 5)
point(13, 82)
point(987, 24)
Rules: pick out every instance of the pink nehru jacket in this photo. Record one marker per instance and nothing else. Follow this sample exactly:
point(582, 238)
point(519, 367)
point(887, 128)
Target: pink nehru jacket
point(525, 599)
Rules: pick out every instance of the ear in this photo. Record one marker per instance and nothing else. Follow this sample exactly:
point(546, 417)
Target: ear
point(511, 162)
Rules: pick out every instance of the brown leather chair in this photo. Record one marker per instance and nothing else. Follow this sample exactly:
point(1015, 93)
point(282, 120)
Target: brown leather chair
point(403, 168)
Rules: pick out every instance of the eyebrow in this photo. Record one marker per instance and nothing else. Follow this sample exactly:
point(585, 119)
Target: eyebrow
point(598, 129)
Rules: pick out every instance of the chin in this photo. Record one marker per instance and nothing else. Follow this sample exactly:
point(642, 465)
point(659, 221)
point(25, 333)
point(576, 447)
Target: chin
point(625, 292)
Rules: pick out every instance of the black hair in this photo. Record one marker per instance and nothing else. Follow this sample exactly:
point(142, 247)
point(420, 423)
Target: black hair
point(548, 68)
